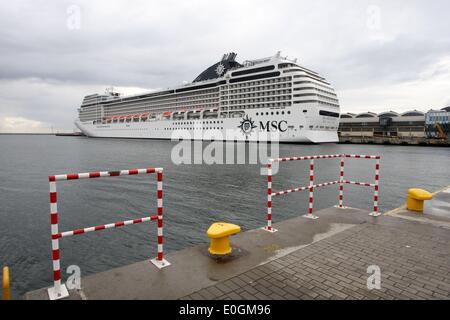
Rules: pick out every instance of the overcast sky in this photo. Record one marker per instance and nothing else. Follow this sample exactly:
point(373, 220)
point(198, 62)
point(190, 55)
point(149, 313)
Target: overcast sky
point(379, 55)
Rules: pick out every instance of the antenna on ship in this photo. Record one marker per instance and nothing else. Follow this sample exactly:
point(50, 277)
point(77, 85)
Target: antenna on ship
point(109, 89)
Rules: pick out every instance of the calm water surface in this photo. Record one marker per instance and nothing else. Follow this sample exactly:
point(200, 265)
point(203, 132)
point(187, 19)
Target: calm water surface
point(195, 196)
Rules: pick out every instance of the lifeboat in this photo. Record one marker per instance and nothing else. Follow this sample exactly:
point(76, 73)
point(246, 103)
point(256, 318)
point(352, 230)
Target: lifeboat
point(194, 114)
point(144, 116)
point(179, 115)
point(210, 113)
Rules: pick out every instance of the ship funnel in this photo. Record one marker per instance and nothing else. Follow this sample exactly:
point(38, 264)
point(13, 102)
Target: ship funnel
point(229, 56)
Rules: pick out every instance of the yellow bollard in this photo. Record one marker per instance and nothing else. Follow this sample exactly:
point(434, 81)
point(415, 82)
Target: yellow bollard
point(416, 197)
point(220, 233)
point(6, 293)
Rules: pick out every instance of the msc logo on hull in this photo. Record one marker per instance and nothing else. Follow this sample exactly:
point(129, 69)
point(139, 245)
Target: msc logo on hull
point(273, 126)
point(248, 126)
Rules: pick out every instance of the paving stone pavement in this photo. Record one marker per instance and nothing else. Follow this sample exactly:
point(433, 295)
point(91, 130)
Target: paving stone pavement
point(414, 259)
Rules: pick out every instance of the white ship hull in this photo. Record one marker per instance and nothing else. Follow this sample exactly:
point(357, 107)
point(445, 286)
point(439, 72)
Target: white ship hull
point(294, 128)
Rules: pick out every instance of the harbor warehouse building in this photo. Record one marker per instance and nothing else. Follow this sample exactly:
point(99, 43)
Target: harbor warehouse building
point(438, 123)
point(385, 124)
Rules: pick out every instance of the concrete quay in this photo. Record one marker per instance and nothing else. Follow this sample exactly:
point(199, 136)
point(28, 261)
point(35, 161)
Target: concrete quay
point(414, 141)
point(326, 258)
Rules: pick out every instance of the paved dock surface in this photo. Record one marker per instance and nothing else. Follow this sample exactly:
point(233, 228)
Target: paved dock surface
point(322, 259)
point(414, 261)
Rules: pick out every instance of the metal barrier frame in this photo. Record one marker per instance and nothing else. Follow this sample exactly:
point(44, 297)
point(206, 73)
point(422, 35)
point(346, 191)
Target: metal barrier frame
point(59, 291)
point(313, 186)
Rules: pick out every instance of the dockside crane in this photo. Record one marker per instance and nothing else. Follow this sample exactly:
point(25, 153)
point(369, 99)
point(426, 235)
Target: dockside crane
point(442, 134)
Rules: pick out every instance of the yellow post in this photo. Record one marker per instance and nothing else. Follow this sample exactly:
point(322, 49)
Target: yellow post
point(416, 197)
point(220, 233)
point(6, 293)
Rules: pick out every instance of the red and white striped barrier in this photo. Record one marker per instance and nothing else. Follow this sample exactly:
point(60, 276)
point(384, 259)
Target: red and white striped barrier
point(59, 290)
point(306, 158)
point(102, 227)
point(312, 186)
point(341, 184)
point(281, 193)
point(269, 199)
point(363, 184)
point(375, 212)
point(359, 156)
point(311, 192)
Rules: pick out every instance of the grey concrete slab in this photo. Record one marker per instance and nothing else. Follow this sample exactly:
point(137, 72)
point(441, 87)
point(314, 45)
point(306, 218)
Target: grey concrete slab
point(307, 259)
point(439, 206)
point(193, 269)
point(412, 258)
point(436, 211)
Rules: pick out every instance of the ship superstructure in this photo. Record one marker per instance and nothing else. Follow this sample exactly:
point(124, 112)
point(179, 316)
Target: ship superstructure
point(272, 94)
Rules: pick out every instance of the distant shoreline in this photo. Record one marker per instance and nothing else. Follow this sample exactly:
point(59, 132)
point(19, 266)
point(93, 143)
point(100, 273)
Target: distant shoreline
point(72, 134)
point(26, 134)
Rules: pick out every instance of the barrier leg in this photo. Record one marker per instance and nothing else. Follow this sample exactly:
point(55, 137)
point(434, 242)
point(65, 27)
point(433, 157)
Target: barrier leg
point(58, 291)
point(159, 261)
point(269, 227)
point(376, 212)
point(341, 186)
point(311, 193)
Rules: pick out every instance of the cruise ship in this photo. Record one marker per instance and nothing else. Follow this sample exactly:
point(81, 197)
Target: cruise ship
point(252, 101)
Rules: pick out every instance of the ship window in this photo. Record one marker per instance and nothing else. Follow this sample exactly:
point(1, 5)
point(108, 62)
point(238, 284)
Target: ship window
point(255, 77)
point(329, 114)
point(289, 112)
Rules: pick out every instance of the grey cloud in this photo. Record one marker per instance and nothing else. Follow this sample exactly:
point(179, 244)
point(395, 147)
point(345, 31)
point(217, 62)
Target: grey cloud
point(153, 44)
point(399, 60)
